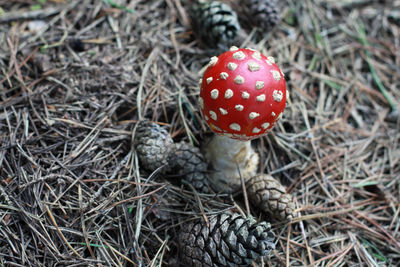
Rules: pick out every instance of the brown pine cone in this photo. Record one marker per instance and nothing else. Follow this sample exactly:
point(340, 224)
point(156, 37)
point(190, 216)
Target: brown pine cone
point(153, 145)
point(215, 23)
point(270, 196)
point(228, 240)
point(188, 162)
point(264, 14)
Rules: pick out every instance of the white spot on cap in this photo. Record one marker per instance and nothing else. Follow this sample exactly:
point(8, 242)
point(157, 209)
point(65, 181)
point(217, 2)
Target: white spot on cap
point(277, 95)
point(276, 74)
point(265, 125)
point(201, 103)
point(239, 107)
point(239, 79)
point(233, 48)
point(235, 126)
point(260, 98)
point(271, 59)
point(209, 80)
point(214, 93)
point(228, 135)
point(245, 95)
point(232, 66)
point(259, 85)
point(215, 128)
point(241, 137)
point(223, 111)
point(256, 55)
point(239, 55)
point(224, 75)
point(253, 115)
point(256, 130)
point(213, 61)
point(249, 48)
point(273, 114)
point(228, 93)
point(213, 115)
point(253, 66)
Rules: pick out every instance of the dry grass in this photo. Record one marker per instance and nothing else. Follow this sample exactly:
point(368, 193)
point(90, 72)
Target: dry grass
point(72, 192)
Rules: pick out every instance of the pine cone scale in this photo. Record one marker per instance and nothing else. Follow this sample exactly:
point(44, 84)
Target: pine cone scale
point(187, 162)
point(271, 197)
point(153, 145)
point(216, 23)
point(223, 245)
point(262, 13)
point(212, 248)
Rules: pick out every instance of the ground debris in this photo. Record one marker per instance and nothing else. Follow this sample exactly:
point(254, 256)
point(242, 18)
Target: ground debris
point(72, 192)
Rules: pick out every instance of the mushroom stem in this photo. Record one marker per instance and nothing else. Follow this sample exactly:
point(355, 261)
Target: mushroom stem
point(230, 160)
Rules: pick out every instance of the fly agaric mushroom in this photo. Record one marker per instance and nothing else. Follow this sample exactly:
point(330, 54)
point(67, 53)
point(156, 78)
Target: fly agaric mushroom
point(242, 96)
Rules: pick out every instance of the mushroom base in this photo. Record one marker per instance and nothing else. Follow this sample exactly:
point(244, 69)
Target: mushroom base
point(229, 160)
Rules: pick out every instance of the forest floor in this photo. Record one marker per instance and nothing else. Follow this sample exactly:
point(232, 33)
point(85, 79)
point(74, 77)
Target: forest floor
point(73, 75)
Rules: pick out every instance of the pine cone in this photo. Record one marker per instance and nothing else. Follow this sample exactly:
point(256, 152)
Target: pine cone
point(216, 23)
point(153, 145)
point(264, 14)
point(270, 196)
point(228, 240)
point(188, 162)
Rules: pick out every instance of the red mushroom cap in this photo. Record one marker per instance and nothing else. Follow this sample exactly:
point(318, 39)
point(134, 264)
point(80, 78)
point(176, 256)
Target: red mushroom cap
point(242, 94)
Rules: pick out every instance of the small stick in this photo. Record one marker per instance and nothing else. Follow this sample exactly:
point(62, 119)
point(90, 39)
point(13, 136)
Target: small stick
point(31, 14)
point(246, 200)
point(52, 219)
